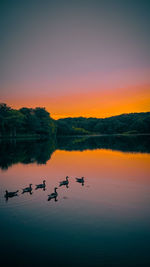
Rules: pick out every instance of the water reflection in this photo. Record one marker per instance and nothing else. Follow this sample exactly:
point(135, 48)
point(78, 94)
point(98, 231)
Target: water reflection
point(25, 152)
point(130, 143)
point(114, 203)
point(40, 151)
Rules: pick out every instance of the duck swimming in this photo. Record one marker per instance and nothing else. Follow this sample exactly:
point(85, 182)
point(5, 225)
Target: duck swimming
point(41, 185)
point(11, 194)
point(27, 189)
point(80, 180)
point(65, 182)
point(53, 195)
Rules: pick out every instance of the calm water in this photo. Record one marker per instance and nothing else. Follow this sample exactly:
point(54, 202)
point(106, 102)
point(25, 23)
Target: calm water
point(104, 222)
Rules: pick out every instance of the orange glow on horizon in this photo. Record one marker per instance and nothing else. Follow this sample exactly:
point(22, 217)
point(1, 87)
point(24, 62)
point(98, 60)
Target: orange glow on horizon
point(98, 103)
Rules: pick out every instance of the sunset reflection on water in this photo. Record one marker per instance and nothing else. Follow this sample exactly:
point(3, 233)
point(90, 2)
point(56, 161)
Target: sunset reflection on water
point(113, 202)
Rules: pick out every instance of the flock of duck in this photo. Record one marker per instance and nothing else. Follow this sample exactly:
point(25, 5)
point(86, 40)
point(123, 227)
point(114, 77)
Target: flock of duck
point(43, 186)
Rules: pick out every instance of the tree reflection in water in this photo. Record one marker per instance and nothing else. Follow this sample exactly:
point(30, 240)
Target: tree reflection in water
point(40, 151)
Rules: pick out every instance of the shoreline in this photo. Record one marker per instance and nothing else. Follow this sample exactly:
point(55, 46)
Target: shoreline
point(37, 137)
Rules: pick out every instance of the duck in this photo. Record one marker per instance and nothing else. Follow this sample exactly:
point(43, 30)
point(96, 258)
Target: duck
point(27, 189)
point(41, 185)
point(11, 194)
point(80, 180)
point(53, 195)
point(65, 182)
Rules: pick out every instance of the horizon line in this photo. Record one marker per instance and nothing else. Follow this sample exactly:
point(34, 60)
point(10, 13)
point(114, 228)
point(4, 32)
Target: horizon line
point(90, 117)
point(57, 117)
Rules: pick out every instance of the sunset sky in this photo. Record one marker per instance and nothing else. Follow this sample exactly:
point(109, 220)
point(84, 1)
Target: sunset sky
point(76, 58)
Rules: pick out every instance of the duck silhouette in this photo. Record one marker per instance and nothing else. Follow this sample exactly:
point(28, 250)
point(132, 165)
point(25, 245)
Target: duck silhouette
point(27, 189)
point(65, 182)
point(53, 195)
point(38, 186)
point(80, 180)
point(10, 194)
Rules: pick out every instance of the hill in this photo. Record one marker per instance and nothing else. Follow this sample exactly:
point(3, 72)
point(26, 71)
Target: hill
point(132, 123)
point(37, 123)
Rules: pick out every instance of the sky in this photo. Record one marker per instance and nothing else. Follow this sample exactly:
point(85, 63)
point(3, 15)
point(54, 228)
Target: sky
point(76, 57)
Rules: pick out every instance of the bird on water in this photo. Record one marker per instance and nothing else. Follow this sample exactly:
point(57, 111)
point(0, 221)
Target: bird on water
point(65, 182)
point(11, 194)
point(53, 195)
point(27, 189)
point(80, 180)
point(43, 185)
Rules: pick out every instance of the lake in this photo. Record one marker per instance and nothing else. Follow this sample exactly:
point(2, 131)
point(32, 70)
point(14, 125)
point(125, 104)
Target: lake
point(104, 221)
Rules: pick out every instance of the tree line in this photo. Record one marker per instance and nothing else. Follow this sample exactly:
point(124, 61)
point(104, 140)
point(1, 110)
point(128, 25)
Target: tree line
point(26, 122)
point(132, 123)
point(37, 123)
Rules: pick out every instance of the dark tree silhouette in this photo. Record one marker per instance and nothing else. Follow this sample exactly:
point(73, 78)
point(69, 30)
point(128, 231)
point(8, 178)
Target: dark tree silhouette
point(26, 121)
point(126, 123)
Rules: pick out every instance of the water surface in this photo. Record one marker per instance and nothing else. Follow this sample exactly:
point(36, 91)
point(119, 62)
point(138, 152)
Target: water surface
point(103, 222)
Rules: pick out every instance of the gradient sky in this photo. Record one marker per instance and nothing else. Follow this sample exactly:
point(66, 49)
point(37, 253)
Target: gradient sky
point(77, 58)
